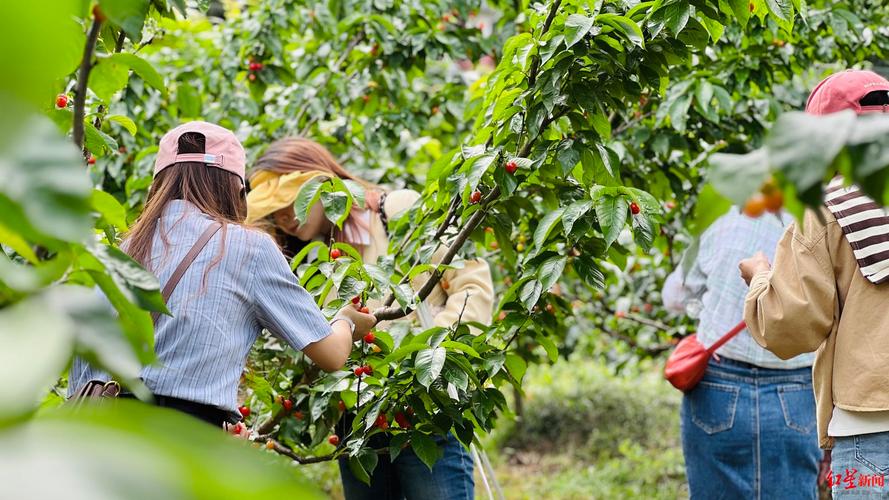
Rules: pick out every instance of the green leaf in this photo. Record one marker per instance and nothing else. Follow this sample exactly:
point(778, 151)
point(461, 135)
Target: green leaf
point(710, 206)
point(107, 78)
point(128, 14)
point(737, 177)
point(429, 363)
point(576, 27)
point(549, 346)
point(530, 293)
point(589, 271)
point(426, 448)
point(125, 121)
point(516, 366)
point(308, 195)
point(545, 227)
point(551, 270)
point(142, 68)
point(110, 209)
point(336, 206)
point(573, 212)
point(625, 26)
point(138, 285)
point(676, 16)
point(188, 101)
point(97, 141)
point(741, 10)
point(611, 211)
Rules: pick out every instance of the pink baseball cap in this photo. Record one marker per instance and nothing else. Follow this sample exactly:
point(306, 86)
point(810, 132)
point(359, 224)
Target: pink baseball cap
point(843, 91)
point(222, 149)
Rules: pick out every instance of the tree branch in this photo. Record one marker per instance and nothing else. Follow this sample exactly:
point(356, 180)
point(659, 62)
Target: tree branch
point(535, 64)
point(86, 64)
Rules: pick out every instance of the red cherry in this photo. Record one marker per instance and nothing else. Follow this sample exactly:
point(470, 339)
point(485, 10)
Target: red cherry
point(620, 314)
point(245, 411)
point(336, 253)
point(365, 98)
point(98, 14)
point(364, 310)
point(370, 337)
point(298, 415)
point(511, 167)
point(358, 371)
point(255, 66)
point(334, 440)
point(61, 101)
point(287, 404)
point(402, 420)
point(91, 160)
point(670, 205)
point(356, 299)
point(341, 405)
point(367, 370)
point(475, 197)
point(382, 422)
point(634, 208)
point(238, 428)
point(252, 77)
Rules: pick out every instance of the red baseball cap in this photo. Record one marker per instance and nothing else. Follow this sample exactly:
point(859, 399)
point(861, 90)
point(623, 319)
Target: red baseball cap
point(221, 149)
point(844, 90)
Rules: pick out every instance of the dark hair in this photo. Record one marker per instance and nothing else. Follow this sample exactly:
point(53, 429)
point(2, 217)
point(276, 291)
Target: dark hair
point(215, 192)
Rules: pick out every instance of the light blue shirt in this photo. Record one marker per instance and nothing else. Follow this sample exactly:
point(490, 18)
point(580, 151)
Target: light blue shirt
point(714, 285)
point(202, 349)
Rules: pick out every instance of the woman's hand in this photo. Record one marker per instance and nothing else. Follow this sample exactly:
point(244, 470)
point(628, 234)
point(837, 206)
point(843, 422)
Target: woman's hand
point(364, 322)
point(754, 265)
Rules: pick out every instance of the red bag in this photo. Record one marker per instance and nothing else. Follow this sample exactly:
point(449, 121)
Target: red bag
point(687, 363)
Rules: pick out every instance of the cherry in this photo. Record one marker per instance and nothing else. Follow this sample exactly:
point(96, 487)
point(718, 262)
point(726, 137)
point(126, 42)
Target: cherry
point(341, 405)
point(334, 440)
point(647, 307)
point(98, 15)
point(634, 208)
point(550, 308)
point(287, 404)
point(364, 310)
point(475, 197)
point(356, 299)
point(91, 160)
point(774, 202)
point(511, 167)
point(382, 422)
point(245, 411)
point(270, 444)
point(755, 206)
point(620, 315)
point(670, 205)
point(402, 420)
point(252, 77)
point(445, 284)
point(358, 371)
point(751, 6)
point(370, 337)
point(367, 370)
point(298, 415)
point(434, 110)
point(501, 316)
point(489, 230)
point(61, 101)
point(365, 98)
point(520, 247)
point(375, 50)
point(238, 428)
point(255, 66)
point(336, 253)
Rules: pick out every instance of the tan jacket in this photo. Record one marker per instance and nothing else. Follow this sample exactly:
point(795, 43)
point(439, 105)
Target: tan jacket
point(815, 298)
point(474, 278)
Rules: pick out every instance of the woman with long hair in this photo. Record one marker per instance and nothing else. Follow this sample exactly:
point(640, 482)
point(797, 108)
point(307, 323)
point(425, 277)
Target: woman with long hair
point(236, 286)
point(465, 294)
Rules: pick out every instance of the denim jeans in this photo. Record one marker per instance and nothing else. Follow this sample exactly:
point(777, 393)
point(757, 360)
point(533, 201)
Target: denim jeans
point(859, 466)
point(408, 477)
point(750, 433)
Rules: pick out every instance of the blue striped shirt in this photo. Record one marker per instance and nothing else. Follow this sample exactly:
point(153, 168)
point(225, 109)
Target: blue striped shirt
point(203, 347)
point(714, 285)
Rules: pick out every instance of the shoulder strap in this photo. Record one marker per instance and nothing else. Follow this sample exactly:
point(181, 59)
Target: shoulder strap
point(381, 209)
point(185, 263)
point(728, 336)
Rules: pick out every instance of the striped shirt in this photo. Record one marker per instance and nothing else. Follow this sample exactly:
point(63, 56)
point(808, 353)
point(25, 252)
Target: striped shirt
point(865, 225)
point(203, 347)
point(714, 285)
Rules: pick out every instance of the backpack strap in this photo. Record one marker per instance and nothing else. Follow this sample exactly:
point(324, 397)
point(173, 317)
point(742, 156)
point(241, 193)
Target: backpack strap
point(381, 209)
point(185, 263)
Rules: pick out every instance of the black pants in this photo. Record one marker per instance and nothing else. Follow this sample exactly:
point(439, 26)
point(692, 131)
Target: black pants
point(210, 414)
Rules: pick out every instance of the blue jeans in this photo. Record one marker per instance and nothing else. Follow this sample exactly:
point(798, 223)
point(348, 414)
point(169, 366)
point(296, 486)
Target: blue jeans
point(859, 466)
point(749, 433)
point(408, 477)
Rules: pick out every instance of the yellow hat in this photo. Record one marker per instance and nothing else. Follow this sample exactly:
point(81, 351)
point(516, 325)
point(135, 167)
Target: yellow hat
point(272, 191)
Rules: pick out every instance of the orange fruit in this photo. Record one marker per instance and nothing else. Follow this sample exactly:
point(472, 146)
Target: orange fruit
point(755, 206)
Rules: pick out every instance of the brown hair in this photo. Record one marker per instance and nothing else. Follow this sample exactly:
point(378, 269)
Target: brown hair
point(215, 192)
point(298, 154)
